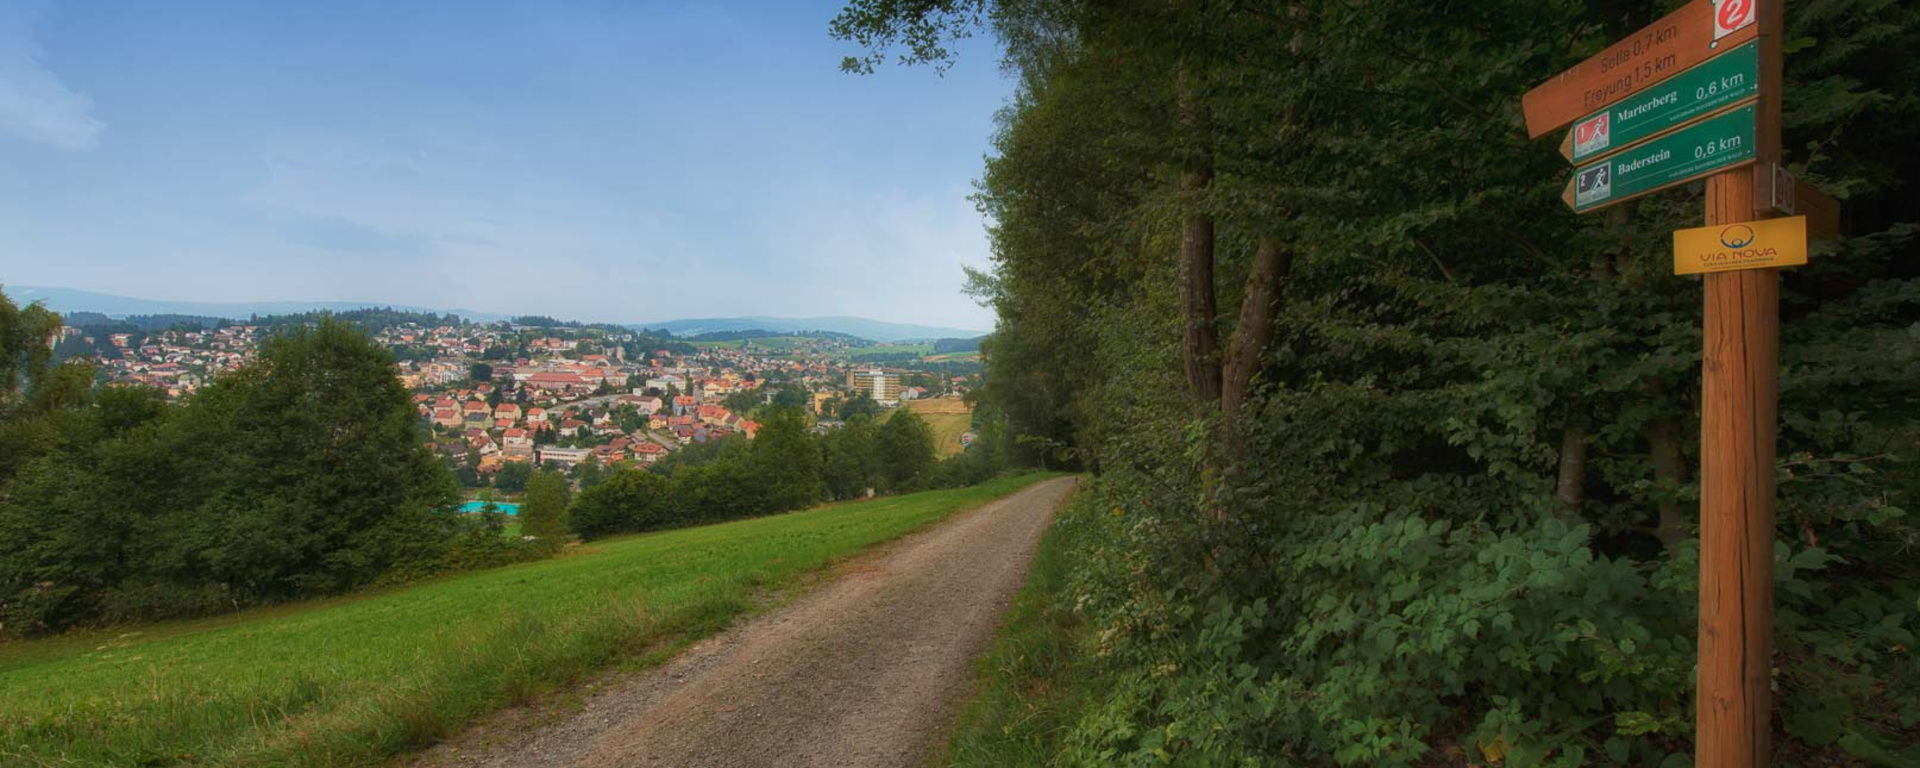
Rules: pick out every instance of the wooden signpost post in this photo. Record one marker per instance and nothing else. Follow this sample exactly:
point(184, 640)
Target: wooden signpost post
point(1697, 94)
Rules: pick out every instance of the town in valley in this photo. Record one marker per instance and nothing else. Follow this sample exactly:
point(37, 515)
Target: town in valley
point(499, 399)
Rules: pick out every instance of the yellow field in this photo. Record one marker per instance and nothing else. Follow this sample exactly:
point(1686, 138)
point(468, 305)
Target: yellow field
point(949, 416)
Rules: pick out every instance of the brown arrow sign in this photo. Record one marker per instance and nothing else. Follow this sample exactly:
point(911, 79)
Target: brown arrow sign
point(1661, 50)
point(1789, 195)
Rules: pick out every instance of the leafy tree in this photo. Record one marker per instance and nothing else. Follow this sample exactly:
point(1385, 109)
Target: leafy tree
point(543, 513)
point(861, 404)
point(588, 474)
point(744, 401)
point(791, 397)
point(324, 482)
point(492, 518)
point(513, 476)
point(724, 488)
point(628, 418)
point(787, 461)
point(905, 448)
point(24, 354)
point(850, 459)
point(480, 372)
point(625, 501)
point(303, 474)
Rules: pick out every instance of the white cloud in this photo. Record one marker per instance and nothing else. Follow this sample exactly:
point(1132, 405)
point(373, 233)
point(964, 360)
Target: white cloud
point(35, 105)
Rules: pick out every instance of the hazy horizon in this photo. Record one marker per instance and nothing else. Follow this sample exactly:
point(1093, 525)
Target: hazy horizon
point(26, 291)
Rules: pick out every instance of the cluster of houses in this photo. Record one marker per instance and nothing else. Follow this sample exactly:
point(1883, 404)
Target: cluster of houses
point(565, 397)
point(177, 362)
point(603, 429)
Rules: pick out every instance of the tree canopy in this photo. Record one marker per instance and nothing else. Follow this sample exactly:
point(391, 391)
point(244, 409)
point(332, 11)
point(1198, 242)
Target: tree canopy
point(302, 474)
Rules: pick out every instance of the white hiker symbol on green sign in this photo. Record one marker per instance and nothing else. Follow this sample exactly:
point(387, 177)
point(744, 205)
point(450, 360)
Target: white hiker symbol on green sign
point(1595, 184)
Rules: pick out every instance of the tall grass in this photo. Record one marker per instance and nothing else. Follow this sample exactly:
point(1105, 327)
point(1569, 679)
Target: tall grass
point(354, 681)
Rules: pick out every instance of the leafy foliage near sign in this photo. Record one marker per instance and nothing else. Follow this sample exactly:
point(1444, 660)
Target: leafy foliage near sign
point(1394, 452)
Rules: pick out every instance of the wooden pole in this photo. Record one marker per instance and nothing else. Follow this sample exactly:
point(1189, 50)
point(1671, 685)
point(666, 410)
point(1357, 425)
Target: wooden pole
point(1738, 420)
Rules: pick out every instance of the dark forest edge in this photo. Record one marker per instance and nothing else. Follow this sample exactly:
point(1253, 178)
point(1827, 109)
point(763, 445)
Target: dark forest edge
point(1393, 453)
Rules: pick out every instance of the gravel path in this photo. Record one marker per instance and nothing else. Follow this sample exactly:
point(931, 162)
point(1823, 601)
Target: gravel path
point(866, 670)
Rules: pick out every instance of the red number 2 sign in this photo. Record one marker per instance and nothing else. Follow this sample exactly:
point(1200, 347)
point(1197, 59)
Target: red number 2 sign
point(1730, 15)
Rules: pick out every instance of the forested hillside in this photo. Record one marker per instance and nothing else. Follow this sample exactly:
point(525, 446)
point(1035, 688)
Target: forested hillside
point(1394, 453)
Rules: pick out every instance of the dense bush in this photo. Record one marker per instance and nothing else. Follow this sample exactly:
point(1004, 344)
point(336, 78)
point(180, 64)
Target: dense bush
point(543, 512)
point(623, 501)
point(905, 447)
point(786, 466)
point(850, 458)
point(301, 475)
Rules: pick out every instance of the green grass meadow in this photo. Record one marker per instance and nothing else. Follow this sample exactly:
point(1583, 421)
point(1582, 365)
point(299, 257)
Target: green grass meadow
point(356, 680)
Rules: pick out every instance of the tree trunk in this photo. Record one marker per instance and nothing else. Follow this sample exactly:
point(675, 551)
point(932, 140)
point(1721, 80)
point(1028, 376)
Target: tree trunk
point(1573, 470)
point(1663, 442)
point(1200, 341)
point(1259, 310)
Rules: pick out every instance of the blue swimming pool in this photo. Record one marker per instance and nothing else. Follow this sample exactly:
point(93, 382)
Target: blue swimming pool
point(505, 506)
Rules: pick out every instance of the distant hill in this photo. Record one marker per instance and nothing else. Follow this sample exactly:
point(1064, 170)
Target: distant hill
point(84, 319)
point(762, 333)
point(872, 330)
point(69, 300)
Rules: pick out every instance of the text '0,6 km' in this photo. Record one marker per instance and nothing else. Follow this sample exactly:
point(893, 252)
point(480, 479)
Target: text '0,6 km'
point(1710, 145)
point(1726, 79)
point(1680, 40)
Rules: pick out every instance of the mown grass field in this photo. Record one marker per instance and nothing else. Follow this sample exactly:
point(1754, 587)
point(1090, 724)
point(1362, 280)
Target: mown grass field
point(949, 417)
point(353, 681)
point(857, 354)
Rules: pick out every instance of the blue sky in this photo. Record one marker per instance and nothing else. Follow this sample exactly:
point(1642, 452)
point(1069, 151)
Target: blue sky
point(622, 161)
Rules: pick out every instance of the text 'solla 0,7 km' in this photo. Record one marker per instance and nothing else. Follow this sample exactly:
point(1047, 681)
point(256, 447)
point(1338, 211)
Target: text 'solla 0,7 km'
point(1722, 81)
point(1748, 245)
point(1710, 145)
point(1686, 37)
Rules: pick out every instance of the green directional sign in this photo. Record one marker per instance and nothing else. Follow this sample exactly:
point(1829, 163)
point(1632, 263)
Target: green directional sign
point(1713, 144)
point(1716, 83)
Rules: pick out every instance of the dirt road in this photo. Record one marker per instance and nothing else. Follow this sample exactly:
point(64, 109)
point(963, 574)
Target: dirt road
point(866, 670)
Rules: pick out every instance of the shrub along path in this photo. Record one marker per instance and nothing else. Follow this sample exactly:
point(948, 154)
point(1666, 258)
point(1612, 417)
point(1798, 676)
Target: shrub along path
point(868, 670)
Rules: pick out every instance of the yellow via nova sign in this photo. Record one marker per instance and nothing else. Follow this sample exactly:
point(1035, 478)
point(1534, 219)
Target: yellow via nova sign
point(1760, 244)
